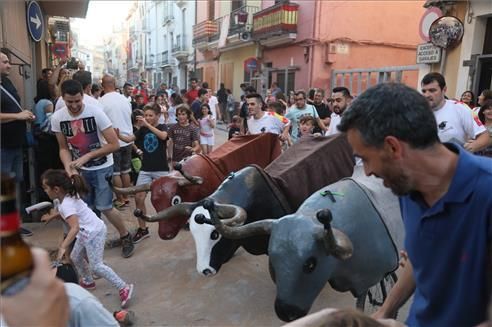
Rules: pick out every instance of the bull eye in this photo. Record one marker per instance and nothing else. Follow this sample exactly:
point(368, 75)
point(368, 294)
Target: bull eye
point(309, 265)
point(175, 200)
point(214, 235)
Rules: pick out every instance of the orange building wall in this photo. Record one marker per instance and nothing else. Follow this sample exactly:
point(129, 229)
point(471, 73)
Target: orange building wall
point(376, 33)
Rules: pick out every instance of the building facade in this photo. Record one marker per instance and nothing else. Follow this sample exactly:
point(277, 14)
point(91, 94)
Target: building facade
point(468, 66)
point(299, 44)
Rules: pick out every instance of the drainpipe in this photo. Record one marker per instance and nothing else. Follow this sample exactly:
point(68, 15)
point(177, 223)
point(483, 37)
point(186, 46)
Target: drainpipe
point(311, 48)
point(194, 51)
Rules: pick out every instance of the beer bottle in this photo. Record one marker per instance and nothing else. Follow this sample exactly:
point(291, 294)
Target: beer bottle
point(16, 261)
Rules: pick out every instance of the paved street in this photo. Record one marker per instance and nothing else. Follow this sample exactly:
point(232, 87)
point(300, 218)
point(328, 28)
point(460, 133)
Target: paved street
point(170, 292)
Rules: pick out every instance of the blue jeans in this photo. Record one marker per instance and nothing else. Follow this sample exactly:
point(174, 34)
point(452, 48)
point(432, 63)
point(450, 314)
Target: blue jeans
point(100, 194)
point(12, 162)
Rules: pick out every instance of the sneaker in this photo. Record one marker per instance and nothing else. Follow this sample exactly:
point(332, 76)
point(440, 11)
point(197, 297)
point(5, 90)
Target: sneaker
point(87, 286)
point(120, 205)
point(140, 235)
point(128, 247)
point(25, 232)
point(126, 294)
point(124, 317)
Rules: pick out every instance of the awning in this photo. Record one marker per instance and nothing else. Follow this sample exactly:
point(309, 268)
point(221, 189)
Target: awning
point(71, 8)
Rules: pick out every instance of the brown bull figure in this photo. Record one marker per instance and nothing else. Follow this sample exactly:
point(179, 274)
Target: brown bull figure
point(198, 176)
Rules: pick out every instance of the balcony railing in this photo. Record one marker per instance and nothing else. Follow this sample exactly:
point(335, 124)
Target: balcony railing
point(204, 30)
point(149, 61)
point(180, 44)
point(241, 17)
point(162, 58)
point(210, 30)
point(275, 20)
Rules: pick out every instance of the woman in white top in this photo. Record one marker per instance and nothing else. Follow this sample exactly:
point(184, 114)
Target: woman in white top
point(88, 231)
point(207, 125)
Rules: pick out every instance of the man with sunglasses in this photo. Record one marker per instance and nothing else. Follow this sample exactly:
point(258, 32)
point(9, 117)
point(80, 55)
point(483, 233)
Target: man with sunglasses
point(299, 110)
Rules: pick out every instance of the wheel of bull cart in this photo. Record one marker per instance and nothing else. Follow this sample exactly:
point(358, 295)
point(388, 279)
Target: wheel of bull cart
point(376, 295)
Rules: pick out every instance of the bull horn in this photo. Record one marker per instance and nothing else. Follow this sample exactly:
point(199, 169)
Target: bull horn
point(229, 214)
point(336, 243)
point(128, 190)
point(132, 189)
point(182, 209)
point(192, 179)
point(262, 227)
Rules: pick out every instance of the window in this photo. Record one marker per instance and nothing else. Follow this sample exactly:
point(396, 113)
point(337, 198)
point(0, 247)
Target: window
point(291, 77)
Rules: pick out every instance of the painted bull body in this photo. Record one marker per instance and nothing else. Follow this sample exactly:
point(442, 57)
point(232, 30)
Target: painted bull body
point(210, 171)
point(343, 234)
point(278, 190)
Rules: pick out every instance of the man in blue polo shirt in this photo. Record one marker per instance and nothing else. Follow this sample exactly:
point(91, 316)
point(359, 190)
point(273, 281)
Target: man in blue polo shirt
point(446, 204)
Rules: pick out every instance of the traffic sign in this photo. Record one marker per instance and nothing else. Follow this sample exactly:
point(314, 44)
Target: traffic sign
point(427, 53)
point(426, 21)
point(35, 21)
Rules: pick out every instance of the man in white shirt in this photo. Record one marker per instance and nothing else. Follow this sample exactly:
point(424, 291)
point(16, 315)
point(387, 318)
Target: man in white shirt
point(87, 140)
point(213, 103)
point(341, 100)
point(119, 112)
point(455, 121)
point(261, 122)
point(84, 78)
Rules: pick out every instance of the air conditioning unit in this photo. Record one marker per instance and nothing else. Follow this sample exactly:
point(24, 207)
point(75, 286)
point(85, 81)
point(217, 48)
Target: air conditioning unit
point(248, 28)
point(245, 36)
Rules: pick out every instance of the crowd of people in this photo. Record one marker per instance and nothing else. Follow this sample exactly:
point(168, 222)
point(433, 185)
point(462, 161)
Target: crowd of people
point(99, 132)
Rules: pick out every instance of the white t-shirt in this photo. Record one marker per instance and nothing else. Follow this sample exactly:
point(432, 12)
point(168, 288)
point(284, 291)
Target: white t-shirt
point(88, 221)
point(171, 116)
point(87, 99)
point(119, 111)
point(84, 133)
point(457, 121)
point(268, 123)
point(213, 102)
point(205, 128)
point(295, 114)
point(335, 119)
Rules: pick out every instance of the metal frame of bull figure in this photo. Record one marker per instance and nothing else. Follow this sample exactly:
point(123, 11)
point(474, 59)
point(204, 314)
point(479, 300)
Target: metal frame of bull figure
point(347, 234)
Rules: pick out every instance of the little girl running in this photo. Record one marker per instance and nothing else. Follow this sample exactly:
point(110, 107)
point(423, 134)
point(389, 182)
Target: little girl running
point(89, 230)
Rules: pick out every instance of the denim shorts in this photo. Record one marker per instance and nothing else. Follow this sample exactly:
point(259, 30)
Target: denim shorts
point(12, 163)
point(100, 194)
point(122, 160)
point(145, 177)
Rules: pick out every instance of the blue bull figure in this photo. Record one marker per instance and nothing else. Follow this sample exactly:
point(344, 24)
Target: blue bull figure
point(347, 234)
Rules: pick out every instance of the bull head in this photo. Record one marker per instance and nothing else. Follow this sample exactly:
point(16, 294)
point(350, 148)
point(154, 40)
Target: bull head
point(182, 209)
point(335, 242)
point(188, 179)
point(234, 214)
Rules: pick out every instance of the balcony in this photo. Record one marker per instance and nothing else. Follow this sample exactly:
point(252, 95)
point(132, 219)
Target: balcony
point(180, 49)
point(149, 62)
point(276, 25)
point(207, 33)
point(162, 59)
point(132, 64)
point(202, 33)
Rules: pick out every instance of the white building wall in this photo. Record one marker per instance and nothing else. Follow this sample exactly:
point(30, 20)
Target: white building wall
point(473, 40)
